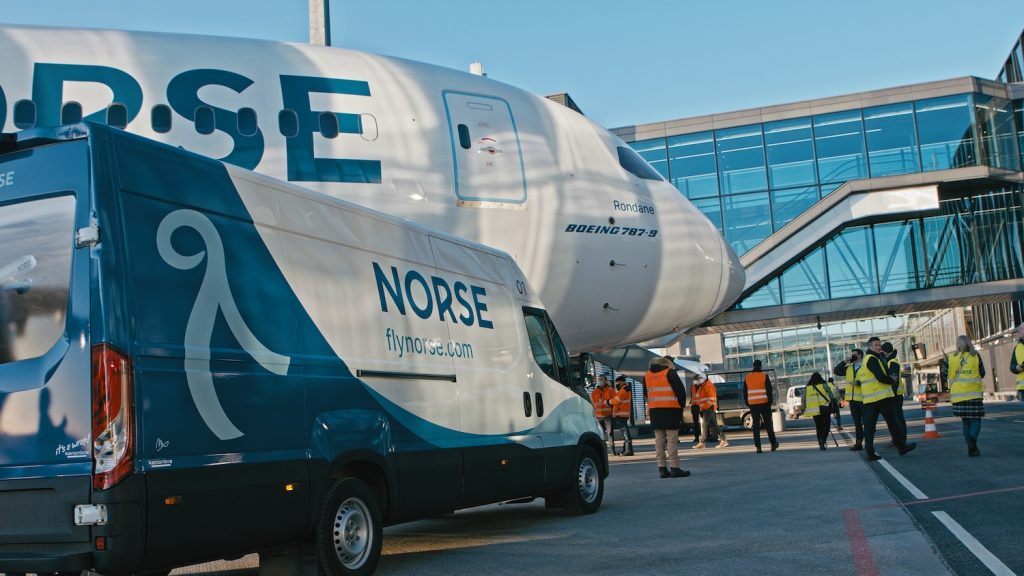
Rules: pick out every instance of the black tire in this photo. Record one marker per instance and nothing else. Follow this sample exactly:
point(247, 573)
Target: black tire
point(748, 421)
point(350, 531)
point(587, 491)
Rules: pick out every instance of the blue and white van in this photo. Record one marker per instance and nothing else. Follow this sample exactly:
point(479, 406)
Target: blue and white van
point(198, 362)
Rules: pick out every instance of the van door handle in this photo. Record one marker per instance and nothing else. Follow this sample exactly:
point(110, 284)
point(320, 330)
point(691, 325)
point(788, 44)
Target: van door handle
point(527, 404)
point(540, 404)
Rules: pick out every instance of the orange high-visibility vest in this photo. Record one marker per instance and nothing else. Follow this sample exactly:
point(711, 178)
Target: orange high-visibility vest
point(693, 395)
point(659, 391)
point(708, 396)
point(756, 390)
point(622, 404)
point(599, 398)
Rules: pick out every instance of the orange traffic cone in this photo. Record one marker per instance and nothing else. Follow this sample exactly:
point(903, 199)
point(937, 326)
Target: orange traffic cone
point(930, 431)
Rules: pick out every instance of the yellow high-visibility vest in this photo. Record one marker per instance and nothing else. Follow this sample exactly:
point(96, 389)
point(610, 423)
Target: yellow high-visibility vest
point(853, 390)
point(901, 387)
point(1018, 356)
point(870, 387)
point(964, 377)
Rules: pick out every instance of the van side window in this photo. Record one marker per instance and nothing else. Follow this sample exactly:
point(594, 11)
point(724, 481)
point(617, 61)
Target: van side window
point(548, 350)
point(35, 266)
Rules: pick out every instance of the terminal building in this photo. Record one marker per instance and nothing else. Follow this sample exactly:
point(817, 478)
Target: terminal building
point(897, 213)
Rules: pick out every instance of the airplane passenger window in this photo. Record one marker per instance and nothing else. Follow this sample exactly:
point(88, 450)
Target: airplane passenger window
point(464, 139)
point(24, 114)
point(204, 120)
point(329, 127)
point(247, 124)
point(160, 118)
point(288, 123)
point(117, 115)
point(635, 165)
point(71, 113)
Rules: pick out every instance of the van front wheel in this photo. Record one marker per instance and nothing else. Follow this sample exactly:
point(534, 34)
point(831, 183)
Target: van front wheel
point(587, 491)
point(748, 421)
point(349, 533)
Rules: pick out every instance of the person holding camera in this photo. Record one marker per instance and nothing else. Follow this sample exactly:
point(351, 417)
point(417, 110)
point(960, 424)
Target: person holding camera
point(848, 369)
point(820, 400)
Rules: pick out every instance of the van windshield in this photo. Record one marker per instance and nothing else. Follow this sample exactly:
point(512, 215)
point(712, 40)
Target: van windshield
point(35, 272)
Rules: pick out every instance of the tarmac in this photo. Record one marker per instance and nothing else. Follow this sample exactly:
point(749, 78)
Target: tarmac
point(799, 510)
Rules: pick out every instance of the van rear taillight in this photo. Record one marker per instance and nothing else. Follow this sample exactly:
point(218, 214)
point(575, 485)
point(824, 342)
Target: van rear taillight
point(112, 446)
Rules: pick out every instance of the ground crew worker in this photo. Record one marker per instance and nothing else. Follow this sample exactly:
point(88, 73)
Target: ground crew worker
point(707, 399)
point(601, 399)
point(819, 398)
point(899, 387)
point(695, 411)
point(666, 396)
point(759, 396)
point(965, 390)
point(854, 399)
point(622, 410)
point(1017, 362)
point(876, 388)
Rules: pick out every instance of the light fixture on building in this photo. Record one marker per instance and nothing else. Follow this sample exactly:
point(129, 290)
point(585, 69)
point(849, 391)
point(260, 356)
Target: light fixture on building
point(920, 352)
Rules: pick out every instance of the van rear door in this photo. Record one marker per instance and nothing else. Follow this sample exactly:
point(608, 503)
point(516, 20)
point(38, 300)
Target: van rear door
point(45, 405)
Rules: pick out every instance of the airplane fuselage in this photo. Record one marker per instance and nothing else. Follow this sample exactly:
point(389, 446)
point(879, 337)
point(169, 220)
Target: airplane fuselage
point(616, 257)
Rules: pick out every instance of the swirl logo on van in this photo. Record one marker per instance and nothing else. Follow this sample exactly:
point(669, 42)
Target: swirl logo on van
point(214, 295)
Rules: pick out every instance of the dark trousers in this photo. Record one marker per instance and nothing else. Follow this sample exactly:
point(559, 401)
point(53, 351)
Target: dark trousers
point(761, 414)
point(887, 408)
point(821, 427)
point(622, 425)
point(838, 415)
point(898, 407)
point(695, 413)
point(858, 422)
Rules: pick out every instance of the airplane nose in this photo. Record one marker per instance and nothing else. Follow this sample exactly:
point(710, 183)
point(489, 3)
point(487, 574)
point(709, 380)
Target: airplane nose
point(734, 279)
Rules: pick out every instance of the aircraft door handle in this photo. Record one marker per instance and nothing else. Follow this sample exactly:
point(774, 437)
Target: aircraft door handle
point(540, 404)
point(527, 404)
point(490, 150)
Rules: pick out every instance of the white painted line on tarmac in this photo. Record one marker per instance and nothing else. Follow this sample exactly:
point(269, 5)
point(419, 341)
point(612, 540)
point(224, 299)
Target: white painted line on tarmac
point(903, 480)
point(976, 548)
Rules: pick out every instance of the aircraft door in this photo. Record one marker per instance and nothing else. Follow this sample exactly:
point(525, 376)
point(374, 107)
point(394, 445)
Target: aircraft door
point(486, 151)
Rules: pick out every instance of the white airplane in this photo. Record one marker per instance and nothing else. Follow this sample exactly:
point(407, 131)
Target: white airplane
point(616, 253)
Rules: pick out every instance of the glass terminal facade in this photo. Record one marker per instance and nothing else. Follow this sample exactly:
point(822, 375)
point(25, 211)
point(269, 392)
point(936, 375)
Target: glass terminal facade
point(752, 180)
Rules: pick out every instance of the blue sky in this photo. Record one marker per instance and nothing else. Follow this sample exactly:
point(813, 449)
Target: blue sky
point(623, 62)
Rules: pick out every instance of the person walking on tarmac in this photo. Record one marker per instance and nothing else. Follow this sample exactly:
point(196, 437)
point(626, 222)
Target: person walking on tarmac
point(854, 399)
point(601, 399)
point(892, 366)
point(836, 411)
point(622, 409)
point(1017, 362)
point(695, 411)
point(819, 399)
point(876, 388)
point(966, 370)
point(759, 396)
point(666, 396)
point(707, 398)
